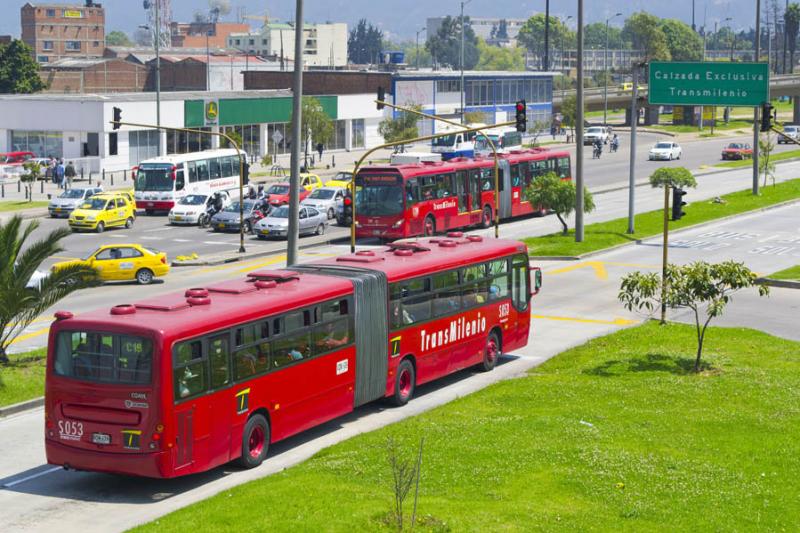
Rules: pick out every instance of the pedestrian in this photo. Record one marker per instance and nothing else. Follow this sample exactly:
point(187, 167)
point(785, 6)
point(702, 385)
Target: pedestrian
point(60, 173)
point(69, 174)
point(320, 148)
point(51, 167)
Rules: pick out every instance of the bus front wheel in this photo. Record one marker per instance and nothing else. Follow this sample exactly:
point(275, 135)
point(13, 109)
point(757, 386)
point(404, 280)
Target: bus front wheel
point(491, 353)
point(486, 218)
point(430, 226)
point(255, 442)
point(405, 382)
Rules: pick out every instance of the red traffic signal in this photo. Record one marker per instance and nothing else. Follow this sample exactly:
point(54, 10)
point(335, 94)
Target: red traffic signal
point(521, 116)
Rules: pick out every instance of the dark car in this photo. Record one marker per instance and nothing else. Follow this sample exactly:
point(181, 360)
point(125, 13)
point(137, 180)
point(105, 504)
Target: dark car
point(228, 218)
point(737, 151)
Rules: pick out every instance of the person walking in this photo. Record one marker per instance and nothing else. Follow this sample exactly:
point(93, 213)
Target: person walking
point(69, 175)
point(60, 173)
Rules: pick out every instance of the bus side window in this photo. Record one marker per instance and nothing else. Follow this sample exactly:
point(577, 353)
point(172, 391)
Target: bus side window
point(179, 183)
point(214, 168)
point(189, 370)
point(564, 167)
point(412, 192)
point(290, 349)
point(228, 168)
point(202, 170)
point(218, 355)
point(499, 282)
point(192, 168)
point(448, 294)
point(521, 291)
point(515, 177)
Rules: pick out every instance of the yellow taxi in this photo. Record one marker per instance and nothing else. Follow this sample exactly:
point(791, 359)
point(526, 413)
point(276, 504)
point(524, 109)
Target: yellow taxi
point(310, 181)
point(101, 211)
point(628, 87)
point(123, 262)
point(341, 179)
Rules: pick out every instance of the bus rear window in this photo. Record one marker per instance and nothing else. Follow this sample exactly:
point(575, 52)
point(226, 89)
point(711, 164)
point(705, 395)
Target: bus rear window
point(106, 357)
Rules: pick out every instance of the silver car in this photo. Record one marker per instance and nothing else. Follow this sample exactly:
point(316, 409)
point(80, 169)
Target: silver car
point(276, 224)
point(325, 200)
point(63, 204)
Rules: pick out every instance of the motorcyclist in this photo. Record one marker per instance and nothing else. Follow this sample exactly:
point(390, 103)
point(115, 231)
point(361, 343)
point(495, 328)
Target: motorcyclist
point(614, 143)
point(598, 148)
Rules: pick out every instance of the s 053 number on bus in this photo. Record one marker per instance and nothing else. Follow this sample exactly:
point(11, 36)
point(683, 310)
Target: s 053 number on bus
point(68, 430)
point(505, 310)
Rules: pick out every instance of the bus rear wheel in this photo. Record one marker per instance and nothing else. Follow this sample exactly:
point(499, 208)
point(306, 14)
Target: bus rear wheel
point(429, 228)
point(491, 353)
point(255, 442)
point(486, 217)
point(405, 382)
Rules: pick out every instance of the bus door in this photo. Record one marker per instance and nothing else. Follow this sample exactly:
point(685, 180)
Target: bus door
point(462, 193)
point(415, 221)
point(475, 196)
point(221, 406)
point(505, 189)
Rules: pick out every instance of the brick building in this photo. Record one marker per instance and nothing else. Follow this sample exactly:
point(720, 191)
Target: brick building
point(57, 31)
point(5, 39)
point(193, 34)
point(95, 75)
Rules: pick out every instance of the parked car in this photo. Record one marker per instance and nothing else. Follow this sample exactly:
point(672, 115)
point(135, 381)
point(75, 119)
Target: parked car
point(665, 150)
point(737, 151)
point(593, 133)
point(63, 204)
point(276, 224)
point(228, 218)
point(102, 211)
point(325, 200)
point(123, 262)
point(189, 208)
point(310, 181)
point(790, 130)
point(278, 194)
point(342, 179)
point(15, 158)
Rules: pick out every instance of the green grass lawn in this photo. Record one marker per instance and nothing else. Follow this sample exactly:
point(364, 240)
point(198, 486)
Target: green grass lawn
point(685, 128)
point(605, 234)
point(790, 274)
point(615, 435)
point(23, 379)
point(789, 154)
point(13, 205)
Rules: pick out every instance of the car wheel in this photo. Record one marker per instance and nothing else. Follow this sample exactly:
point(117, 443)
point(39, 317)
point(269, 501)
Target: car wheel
point(331, 213)
point(321, 229)
point(248, 228)
point(144, 276)
point(255, 442)
point(100, 227)
point(129, 223)
point(405, 382)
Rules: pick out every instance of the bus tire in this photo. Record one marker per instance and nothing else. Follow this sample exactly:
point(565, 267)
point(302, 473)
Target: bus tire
point(429, 227)
point(491, 352)
point(405, 383)
point(486, 217)
point(255, 442)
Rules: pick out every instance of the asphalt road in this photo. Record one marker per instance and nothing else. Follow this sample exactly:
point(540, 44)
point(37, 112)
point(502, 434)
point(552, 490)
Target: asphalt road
point(38, 497)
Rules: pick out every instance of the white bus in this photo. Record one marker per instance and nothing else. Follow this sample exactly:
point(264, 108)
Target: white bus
point(504, 139)
point(162, 181)
point(457, 144)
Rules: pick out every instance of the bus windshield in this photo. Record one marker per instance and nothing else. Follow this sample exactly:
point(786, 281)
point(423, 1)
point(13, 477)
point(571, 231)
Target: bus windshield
point(446, 141)
point(154, 178)
point(106, 357)
point(380, 200)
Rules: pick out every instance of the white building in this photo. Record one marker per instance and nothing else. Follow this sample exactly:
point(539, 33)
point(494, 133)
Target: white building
point(325, 44)
point(485, 28)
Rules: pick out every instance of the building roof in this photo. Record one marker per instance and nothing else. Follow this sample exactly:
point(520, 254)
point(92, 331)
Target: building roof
point(78, 62)
point(63, 6)
point(145, 96)
point(432, 74)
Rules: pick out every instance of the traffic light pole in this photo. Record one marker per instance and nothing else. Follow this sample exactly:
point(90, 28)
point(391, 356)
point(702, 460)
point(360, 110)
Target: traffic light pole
point(664, 257)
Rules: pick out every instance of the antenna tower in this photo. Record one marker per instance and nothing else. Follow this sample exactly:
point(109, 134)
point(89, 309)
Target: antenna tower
point(162, 32)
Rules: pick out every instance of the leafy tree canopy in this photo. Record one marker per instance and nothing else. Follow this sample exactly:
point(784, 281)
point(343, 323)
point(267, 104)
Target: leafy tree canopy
point(594, 36)
point(445, 45)
point(364, 43)
point(19, 73)
point(317, 125)
point(644, 32)
point(551, 192)
point(672, 177)
point(499, 58)
point(683, 43)
point(531, 35)
point(401, 128)
point(118, 38)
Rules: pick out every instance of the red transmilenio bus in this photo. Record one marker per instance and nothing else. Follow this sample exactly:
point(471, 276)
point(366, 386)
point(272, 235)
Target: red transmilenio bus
point(185, 382)
point(399, 201)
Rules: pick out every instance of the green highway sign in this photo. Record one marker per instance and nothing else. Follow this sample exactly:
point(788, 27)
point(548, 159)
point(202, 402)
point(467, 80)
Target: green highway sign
point(708, 83)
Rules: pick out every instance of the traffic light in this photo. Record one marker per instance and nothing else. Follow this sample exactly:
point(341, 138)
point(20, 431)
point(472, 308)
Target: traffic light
point(245, 173)
point(347, 210)
point(677, 203)
point(521, 116)
point(766, 116)
point(117, 118)
point(381, 97)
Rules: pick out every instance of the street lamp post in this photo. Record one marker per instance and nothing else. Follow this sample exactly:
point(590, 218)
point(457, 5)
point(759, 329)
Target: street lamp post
point(605, 68)
point(208, 62)
point(417, 52)
point(462, 58)
point(156, 41)
point(297, 121)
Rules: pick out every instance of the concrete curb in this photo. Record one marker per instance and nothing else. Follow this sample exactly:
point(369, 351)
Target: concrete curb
point(21, 406)
point(233, 257)
point(782, 283)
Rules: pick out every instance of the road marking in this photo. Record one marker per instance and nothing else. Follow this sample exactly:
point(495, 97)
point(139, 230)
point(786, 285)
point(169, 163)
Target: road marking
point(119, 235)
point(218, 243)
point(32, 476)
point(619, 321)
point(256, 266)
point(181, 240)
point(598, 266)
point(31, 335)
point(154, 229)
point(146, 238)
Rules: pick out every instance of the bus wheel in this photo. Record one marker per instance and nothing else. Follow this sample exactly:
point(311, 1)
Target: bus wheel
point(405, 382)
point(430, 226)
point(486, 218)
point(491, 353)
point(255, 442)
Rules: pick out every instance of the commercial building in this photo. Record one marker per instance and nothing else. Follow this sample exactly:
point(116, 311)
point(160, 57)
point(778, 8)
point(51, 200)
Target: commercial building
point(200, 34)
point(56, 31)
point(488, 29)
point(325, 44)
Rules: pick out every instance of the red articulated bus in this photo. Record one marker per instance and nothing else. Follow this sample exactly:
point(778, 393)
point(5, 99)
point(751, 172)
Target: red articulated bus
point(185, 382)
point(400, 201)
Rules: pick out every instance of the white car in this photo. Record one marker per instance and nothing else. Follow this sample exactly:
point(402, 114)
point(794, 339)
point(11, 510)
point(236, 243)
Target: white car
point(665, 150)
point(325, 200)
point(188, 209)
point(64, 203)
point(789, 130)
point(276, 224)
point(593, 133)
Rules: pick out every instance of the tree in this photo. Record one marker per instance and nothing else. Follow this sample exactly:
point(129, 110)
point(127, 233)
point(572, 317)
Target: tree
point(445, 45)
point(766, 166)
point(644, 32)
point(551, 192)
point(19, 73)
point(531, 34)
point(402, 128)
point(792, 18)
point(569, 111)
point(672, 177)
point(684, 44)
point(700, 286)
point(33, 171)
point(20, 305)
point(364, 43)
point(498, 58)
point(502, 30)
point(317, 126)
point(595, 37)
point(118, 38)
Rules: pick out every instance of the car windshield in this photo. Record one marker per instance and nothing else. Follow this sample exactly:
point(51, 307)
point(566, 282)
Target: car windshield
point(154, 178)
point(94, 204)
point(343, 176)
point(322, 194)
point(234, 207)
point(735, 145)
point(193, 199)
point(278, 189)
point(106, 357)
point(663, 145)
point(72, 193)
point(594, 130)
point(448, 140)
point(280, 212)
point(380, 200)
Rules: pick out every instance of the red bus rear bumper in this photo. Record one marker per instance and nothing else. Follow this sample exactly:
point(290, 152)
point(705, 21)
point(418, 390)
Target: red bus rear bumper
point(157, 205)
point(154, 464)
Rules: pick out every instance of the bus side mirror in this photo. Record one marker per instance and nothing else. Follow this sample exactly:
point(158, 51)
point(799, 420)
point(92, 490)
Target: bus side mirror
point(537, 280)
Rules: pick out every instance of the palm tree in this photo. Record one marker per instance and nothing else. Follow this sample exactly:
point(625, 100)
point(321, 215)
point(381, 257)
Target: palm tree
point(20, 305)
point(792, 23)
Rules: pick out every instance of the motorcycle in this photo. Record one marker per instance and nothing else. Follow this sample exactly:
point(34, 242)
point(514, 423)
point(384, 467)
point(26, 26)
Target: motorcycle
point(598, 150)
point(205, 218)
point(614, 145)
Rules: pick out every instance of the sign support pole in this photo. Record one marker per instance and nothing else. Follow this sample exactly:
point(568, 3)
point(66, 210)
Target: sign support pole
point(632, 169)
point(755, 108)
point(579, 133)
point(664, 257)
point(297, 122)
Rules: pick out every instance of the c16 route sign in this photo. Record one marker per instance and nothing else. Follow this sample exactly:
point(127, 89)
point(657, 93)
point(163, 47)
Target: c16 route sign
point(708, 83)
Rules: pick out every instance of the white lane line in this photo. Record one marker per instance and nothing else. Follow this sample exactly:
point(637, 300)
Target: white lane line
point(117, 235)
point(146, 238)
point(217, 242)
point(33, 476)
point(154, 229)
point(181, 240)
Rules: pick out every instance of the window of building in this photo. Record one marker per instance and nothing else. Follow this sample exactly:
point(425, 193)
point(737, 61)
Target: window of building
point(237, 42)
point(50, 12)
point(47, 45)
point(41, 143)
point(42, 59)
point(448, 86)
point(250, 135)
point(251, 42)
point(357, 126)
point(264, 42)
point(142, 145)
point(278, 138)
point(113, 143)
point(181, 142)
point(72, 46)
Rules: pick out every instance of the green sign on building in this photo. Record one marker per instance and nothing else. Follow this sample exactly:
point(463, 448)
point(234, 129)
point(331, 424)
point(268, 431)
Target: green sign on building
point(708, 83)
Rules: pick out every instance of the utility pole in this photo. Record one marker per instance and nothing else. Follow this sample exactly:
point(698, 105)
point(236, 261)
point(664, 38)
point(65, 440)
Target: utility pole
point(158, 74)
point(462, 58)
point(546, 62)
point(785, 40)
point(694, 28)
point(579, 133)
point(605, 69)
point(632, 165)
point(417, 52)
point(756, 59)
point(297, 121)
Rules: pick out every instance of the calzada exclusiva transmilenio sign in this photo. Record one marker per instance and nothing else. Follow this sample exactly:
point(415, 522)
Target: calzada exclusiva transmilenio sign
point(708, 83)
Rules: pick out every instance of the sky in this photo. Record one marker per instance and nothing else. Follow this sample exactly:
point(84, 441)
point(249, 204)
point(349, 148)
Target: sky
point(399, 19)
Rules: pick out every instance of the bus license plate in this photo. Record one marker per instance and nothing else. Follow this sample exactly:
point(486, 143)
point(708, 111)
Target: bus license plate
point(220, 225)
point(101, 438)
